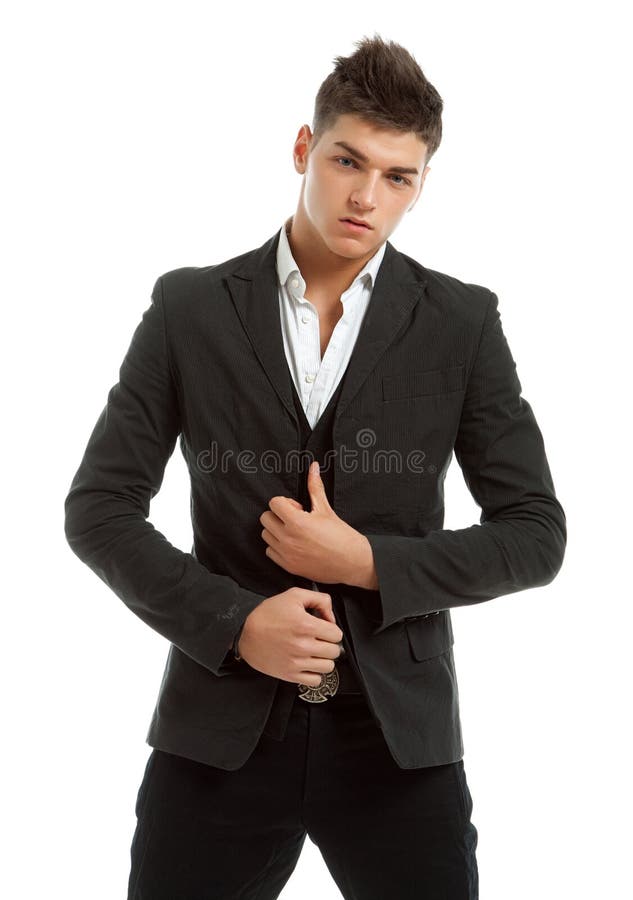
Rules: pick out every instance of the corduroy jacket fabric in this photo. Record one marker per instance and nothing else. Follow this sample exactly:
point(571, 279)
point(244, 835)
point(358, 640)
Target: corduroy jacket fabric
point(431, 376)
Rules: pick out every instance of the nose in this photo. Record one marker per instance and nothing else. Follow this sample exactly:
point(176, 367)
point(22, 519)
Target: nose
point(364, 194)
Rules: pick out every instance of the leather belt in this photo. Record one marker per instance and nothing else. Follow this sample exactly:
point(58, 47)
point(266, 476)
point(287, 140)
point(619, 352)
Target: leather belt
point(341, 680)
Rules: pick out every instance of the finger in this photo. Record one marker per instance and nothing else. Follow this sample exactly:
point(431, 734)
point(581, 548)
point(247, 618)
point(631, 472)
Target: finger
point(316, 664)
point(326, 650)
point(271, 539)
point(327, 631)
point(269, 520)
point(283, 507)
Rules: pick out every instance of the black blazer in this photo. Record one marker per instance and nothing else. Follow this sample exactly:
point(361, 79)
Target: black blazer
point(431, 374)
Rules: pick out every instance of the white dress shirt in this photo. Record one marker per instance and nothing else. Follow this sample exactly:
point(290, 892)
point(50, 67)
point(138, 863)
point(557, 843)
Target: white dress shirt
point(316, 379)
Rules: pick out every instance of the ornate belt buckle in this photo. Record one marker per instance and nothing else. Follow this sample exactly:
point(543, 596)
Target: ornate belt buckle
point(329, 686)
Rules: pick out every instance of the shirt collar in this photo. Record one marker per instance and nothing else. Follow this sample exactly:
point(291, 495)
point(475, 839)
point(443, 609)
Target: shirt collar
point(286, 264)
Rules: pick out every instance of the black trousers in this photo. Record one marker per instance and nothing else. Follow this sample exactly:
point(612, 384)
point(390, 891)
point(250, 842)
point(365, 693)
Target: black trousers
point(385, 833)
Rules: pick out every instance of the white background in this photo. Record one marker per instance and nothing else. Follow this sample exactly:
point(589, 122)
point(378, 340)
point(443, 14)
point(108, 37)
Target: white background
point(139, 137)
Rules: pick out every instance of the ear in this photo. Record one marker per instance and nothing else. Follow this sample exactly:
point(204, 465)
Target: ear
point(301, 148)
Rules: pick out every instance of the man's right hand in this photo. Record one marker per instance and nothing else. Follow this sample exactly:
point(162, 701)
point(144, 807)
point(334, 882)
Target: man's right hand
point(281, 638)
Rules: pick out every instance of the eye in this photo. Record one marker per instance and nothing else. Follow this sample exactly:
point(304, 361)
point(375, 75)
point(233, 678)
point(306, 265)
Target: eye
point(400, 183)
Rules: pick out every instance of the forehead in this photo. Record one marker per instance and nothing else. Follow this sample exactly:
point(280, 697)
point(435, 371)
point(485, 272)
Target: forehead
point(382, 146)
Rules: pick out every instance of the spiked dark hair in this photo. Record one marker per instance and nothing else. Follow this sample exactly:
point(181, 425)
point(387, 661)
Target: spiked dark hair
point(383, 84)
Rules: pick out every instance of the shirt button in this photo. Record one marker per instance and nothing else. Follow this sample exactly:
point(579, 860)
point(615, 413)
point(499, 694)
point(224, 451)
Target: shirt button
point(305, 319)
point(309, 378)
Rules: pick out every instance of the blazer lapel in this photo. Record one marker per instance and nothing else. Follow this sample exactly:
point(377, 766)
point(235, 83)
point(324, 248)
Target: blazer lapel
point(255, 293)
point(395, 293)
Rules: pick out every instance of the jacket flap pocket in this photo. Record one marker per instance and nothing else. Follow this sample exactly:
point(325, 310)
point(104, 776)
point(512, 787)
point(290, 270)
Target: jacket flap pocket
point(414, 384)
point(429, 635)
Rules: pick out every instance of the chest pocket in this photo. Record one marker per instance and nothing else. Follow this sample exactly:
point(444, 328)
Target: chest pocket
point(417, 384)
point(429, 635)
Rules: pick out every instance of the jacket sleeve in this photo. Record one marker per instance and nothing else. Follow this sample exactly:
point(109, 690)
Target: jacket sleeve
point(107, 507)
point(521, 539)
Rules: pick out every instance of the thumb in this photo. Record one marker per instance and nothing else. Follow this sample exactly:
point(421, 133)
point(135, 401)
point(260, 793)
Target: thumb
point(322, 606)
point(316, 489)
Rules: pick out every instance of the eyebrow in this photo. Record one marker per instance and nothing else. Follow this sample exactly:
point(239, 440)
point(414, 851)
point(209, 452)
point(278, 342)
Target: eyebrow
point(401, 170)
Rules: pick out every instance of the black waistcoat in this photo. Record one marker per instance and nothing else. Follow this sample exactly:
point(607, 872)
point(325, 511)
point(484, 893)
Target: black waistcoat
point(314, 445)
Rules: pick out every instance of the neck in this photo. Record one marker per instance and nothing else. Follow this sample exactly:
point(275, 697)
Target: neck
point(319, 266)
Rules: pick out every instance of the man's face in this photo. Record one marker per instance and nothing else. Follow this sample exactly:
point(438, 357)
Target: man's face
point(356, 170)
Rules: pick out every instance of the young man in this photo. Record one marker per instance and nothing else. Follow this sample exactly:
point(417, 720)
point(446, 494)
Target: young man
point(310, 684)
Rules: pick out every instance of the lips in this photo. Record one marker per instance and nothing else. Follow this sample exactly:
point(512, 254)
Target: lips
point(356, 222)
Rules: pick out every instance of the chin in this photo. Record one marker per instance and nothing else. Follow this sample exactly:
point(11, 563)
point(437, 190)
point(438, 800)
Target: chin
point(352, 245)
point(347, 248)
